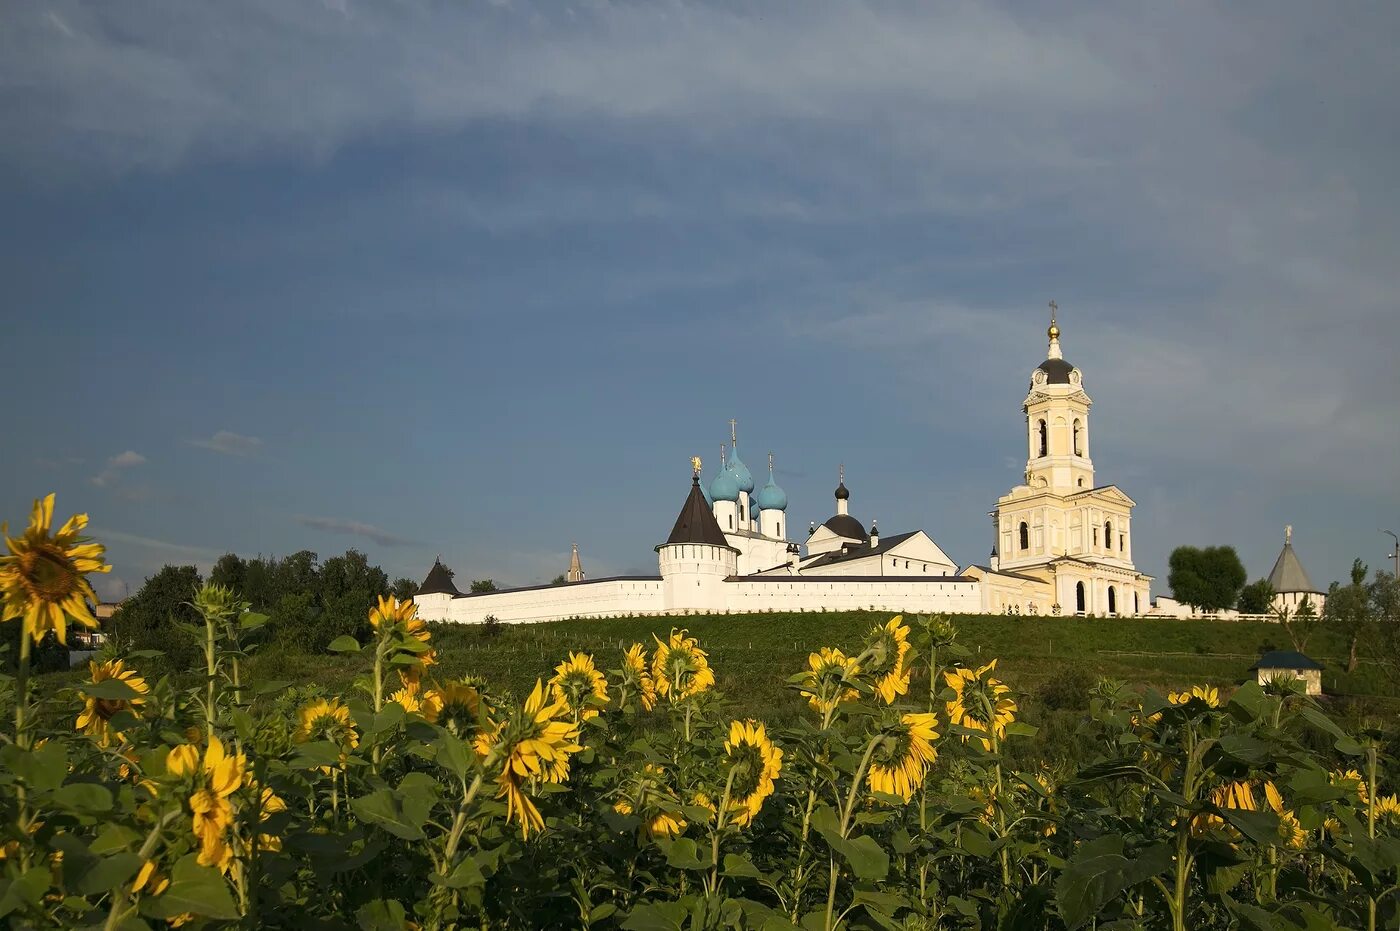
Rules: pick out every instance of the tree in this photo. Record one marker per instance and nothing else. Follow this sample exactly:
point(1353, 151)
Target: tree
point(403, 589)
point(1349, 609)
point(231, 571)
point(146, 620)
point(1256, 598)
point(1299, 624)
point(484, 585)
point(560, 579)
point(1385, 613)
point(1208, 579)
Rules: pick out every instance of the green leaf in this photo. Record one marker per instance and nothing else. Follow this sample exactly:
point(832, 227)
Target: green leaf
point(599, 912)
point(387, 719)
point(108, 872)
point(1021, 729)
point(108, 688)
point(197, 889)
point(345, 644)
point(660, 916)
point(452, 754)
point(385, 809)
point(684, 854)
point(381, 915)
point(42, 770)
point(737, 865)
point(1099, 872)
point(867, 859)
point(28, 889)
point(315, 754)
point(83, 796)
point(272, 685)
point(466, 874)
point(112, 838)
point(144, 654)
point(251, 620)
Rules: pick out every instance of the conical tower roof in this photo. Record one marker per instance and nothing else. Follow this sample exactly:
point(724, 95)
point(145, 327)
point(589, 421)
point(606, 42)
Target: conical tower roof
point(696, 522)
point(1288, 574)
point(439, 581)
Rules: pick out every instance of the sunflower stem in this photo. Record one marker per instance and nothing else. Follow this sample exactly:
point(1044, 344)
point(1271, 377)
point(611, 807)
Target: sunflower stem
point(22, 740)
point(121, 895)
point(845, 824)
point(719, 826)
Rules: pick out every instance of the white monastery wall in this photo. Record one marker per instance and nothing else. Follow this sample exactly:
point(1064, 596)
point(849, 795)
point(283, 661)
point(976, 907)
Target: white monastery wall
point(603, 598)
point(835, 593)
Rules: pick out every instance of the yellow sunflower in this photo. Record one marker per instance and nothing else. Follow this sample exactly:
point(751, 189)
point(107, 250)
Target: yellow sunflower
point(1234, 795)
point(43, 577)
point(755, 764)
point(1388, 808)
point(457, 706)
point(212, 783)
point(150, 879)
point(269, 803)
point(680, 668)
point(828, 671)
point(409, 697)
point(574, 681)
point(903, 756)
point(980, 702)
point(390, 612)
point(1290, 831)
point(662, 824)
point(1351, 779)
point(326, 719)
point(637, 677)
point(98, 711)
point(1206, 693)
point(888, 646)
point(532, 744)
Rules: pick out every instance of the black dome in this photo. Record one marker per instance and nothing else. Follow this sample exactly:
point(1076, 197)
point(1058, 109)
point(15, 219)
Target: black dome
point(845, 525)
point(1056, 371)
point(841, 492)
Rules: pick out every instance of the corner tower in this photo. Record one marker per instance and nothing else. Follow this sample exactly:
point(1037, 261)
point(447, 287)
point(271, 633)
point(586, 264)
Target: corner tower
point(696, 558)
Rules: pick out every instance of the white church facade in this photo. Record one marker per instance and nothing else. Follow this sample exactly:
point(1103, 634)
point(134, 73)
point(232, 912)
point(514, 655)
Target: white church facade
point(1062, 545)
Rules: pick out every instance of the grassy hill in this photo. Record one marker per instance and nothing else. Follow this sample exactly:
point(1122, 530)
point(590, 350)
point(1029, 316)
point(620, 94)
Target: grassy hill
point(753, 654)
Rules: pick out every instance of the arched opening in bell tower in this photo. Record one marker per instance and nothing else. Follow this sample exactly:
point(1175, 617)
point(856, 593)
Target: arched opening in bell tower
point(1044, 437)
point(1079, 597)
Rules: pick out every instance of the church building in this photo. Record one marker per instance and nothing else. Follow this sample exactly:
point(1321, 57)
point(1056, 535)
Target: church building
point(1062, 544)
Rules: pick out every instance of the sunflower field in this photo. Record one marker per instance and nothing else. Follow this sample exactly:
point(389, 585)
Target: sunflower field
point(620, 793)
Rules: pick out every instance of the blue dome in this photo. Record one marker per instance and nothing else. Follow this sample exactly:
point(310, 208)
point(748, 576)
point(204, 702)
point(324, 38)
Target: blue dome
point(771, 497)
point(705, 490)
point(741, 472)
point(725, 487)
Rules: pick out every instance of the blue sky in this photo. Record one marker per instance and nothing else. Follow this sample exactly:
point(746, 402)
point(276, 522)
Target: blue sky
point(477, 279)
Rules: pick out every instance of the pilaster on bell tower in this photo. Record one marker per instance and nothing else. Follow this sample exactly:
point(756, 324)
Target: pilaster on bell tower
point(1057, 423)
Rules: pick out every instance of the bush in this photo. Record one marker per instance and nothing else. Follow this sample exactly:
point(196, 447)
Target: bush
point(1068, 690)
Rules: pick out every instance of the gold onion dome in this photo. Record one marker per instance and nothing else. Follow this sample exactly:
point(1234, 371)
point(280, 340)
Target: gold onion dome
point(1054, 331)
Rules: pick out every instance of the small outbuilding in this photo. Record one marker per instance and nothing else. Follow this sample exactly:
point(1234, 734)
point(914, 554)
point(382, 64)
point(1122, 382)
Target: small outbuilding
point(1289, 664)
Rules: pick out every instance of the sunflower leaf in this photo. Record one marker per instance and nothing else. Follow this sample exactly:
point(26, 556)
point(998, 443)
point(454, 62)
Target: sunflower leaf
point(109, 689)
point(344, 644)
point(196, 889)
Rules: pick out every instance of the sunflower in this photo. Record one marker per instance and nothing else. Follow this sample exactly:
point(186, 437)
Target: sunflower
point(637, 677)
point(575, 681)
point(888, 645)
point(662, 824)
point(680, 668)
point(410, 698)
point(213, 781)
point(529, 745)
point(1350, 779)
point(903, 756)
point(43, 577)
point(1233, 795)
point(824, 683)
point(390, 612)
point(754, 763)
point(150, 879)
point(1206, 693)
point(269, 804)
point(1388, 808)
point(980, 702)
point(458, 707)
point(98, 711)
point(326, 719)
point(1290, 831)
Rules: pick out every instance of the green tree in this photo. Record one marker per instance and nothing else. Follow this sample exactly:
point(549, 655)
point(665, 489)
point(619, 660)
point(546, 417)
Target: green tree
point(230, 571)
point(403, 589)
point(1208, 579)
point(1299, 624)
point(146, 620)
point(1385, 614)
point(484, 585)
point(1348, 608)
point(560, 579)
point(1256, 598)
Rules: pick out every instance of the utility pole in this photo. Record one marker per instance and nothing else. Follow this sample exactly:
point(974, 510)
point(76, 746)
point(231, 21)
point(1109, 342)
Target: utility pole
point(1395, 555)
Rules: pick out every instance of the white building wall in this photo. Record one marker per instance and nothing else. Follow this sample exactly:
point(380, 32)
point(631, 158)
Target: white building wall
point(604, 598)
point(808, 594)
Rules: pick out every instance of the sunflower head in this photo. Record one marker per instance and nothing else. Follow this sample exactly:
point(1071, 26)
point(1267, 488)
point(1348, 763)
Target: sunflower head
point(754, 765)
point(1388, 809)
point(533, 744)
point(679, 668)
point(887, 649)
point(97, 712)
point(579, 685)
point(1208, 694)
point(826, 683)
point(211, 780)
point(902, 757)
point(326, 719)
point(43, 577)
point(636, 677)
point(458, 707)
point(1353, 781)
point(980, 703)
point(216, 602)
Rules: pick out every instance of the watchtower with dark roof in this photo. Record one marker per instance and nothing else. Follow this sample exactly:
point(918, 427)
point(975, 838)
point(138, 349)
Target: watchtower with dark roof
point(696, 558)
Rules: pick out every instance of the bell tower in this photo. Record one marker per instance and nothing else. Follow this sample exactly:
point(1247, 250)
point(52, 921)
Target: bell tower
point(1057, 423)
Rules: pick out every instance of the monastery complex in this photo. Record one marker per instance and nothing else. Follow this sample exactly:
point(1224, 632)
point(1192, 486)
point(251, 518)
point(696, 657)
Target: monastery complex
point(1061, 544)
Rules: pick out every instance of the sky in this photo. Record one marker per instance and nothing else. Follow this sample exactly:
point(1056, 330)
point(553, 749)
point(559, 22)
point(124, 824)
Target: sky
point(477, 279)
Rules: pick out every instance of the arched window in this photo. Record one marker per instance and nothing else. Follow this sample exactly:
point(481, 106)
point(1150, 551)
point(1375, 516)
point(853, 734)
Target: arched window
point(1079, 597)
point(1081, 481)
point(1108, 535)
point(1112, 600)
point(1078, 437)
point(1136, 608)
point(1025, 536)
point(1044, 438)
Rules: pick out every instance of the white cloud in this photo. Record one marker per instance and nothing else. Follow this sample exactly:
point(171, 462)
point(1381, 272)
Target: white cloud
point(125, 460)
point(230, 443)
